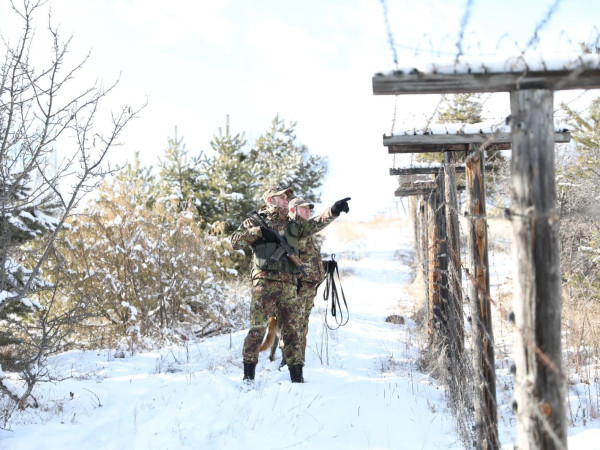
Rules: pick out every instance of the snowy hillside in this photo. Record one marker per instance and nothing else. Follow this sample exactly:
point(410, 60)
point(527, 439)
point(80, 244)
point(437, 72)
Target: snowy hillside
point(363, 389)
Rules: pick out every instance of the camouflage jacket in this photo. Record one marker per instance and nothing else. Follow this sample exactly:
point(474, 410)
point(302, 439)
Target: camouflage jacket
point(310, 254)
point(247, 234)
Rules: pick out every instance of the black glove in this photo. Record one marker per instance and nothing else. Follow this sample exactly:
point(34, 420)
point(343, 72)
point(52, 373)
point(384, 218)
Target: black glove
point(268, 235)
point(340, 205)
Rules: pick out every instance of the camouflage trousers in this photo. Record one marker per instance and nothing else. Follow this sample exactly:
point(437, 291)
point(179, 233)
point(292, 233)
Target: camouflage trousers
point(306, 296)
point(278, 299)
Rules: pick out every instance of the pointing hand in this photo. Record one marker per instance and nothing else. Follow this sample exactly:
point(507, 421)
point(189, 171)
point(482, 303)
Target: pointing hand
point(341, 205)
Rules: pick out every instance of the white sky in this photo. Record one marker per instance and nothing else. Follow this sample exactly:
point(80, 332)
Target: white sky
point(311, 62)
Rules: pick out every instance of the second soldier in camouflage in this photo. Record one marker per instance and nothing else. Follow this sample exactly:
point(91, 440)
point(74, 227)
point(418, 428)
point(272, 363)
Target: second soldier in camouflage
point(310, 254)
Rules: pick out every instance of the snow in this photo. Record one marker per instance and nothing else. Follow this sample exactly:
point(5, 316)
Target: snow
point(132, 309)
point(462, 128)
point(234, 195)
point(4, 295)
point(515, 64)
point(363, 389)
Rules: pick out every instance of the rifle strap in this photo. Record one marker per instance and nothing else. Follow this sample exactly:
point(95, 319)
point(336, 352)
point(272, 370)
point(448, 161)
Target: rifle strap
point(330, 287)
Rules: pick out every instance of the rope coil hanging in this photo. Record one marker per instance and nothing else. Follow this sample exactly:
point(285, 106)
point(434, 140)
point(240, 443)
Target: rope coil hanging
point(337, 311)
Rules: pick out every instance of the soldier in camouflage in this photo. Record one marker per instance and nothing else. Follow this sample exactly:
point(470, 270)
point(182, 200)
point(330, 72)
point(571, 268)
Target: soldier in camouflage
point(274, 284)
point(310, 254)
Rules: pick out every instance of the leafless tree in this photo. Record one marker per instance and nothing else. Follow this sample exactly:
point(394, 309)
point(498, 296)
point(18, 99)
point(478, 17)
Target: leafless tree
point(54, 139)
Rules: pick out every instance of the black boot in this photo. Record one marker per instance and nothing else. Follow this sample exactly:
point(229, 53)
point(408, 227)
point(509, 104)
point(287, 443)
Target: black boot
point(282, 363)
point(249, 370)
point(296, 373)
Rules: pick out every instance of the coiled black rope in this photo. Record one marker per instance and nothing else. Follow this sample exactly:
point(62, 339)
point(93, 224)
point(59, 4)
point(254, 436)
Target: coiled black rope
point(337, 312)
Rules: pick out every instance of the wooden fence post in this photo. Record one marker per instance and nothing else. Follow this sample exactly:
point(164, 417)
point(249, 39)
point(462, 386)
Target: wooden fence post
point(455, 308)
point(438, 266)
point(486, 419)
point(539, 382)
point(433, 274)
point(423, 245)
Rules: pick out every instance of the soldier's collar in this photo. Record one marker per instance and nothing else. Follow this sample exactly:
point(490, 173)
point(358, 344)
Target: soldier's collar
point(277, 212)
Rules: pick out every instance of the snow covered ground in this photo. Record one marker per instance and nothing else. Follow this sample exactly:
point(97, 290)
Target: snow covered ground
point(363, 389)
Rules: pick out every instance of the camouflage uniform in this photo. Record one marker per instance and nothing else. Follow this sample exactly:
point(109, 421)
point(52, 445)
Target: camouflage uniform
point(274, 291)
point(310, 254)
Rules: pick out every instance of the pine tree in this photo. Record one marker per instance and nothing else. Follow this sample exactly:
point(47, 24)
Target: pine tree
point(181, 175)
point(229, 181)
point(578, 187)
point(24, 217)
point(227, 196)
point(144, 175)
point(279, 160)
point(461, 108)
point(457, 108)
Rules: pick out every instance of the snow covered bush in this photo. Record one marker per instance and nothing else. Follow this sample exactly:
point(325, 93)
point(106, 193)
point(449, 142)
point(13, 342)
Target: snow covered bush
point(144, 268)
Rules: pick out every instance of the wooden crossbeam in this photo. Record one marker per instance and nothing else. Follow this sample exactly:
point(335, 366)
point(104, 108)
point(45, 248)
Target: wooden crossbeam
point(420, 189)
point(436, 143)
point(432, 170)
point(413, 189)
point(438, 148)
point(460, 83)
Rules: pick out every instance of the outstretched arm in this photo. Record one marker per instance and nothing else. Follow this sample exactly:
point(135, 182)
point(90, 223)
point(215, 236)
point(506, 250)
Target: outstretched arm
point(319, 222)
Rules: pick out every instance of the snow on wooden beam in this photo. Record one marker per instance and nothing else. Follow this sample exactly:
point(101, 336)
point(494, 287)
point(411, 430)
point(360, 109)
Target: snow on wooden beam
point(416, 189)
point(397, 83)
point(460, 139)
point(419, 188)
point(439, 148)
point(430, 170)
point(435, 143)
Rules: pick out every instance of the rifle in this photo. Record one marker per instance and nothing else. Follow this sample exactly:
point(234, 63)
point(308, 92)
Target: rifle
point(283, 248)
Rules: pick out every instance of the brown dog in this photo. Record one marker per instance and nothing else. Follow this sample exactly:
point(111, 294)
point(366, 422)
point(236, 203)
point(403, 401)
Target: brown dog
point(273, 337)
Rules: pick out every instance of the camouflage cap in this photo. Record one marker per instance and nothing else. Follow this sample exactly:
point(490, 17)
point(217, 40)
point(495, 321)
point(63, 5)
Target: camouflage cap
point(299, 201)
point(277, 190)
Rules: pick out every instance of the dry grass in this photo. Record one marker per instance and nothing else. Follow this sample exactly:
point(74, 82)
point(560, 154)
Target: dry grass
point(348, 231)
point(384, 221)
point(581, 322)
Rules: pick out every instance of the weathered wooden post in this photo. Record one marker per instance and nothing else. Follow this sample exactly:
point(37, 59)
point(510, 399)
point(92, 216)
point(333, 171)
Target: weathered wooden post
point(420, 214)
point(484, 372)
point(455, 309)
point(424, 243)
point(433, 274)
point(413, 213)
point(540, 384)
point(439, 268)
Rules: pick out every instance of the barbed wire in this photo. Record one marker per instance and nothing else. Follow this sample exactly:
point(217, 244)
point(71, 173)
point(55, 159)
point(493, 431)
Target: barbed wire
point(540, 26)
point(388, 30)
point(463, 25)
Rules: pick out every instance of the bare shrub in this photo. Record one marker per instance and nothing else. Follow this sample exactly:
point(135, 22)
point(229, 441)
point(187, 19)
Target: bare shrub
point(51, 155)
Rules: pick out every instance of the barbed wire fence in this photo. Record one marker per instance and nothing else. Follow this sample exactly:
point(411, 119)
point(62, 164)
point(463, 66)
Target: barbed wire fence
point(451, 345)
